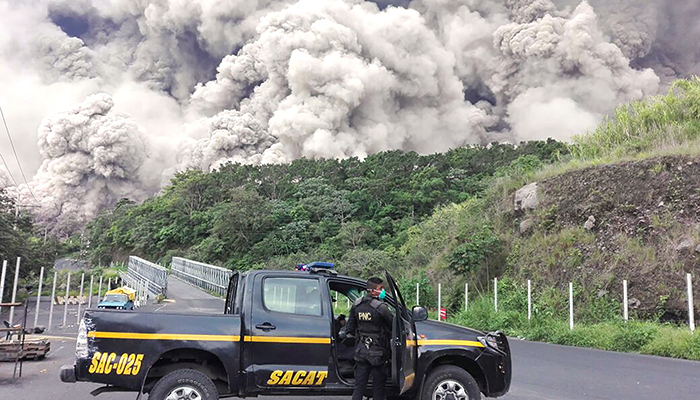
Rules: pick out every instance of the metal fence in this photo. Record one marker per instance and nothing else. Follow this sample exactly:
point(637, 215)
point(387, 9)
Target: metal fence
point(141, 270)
point(208, 277)
point(625, 300)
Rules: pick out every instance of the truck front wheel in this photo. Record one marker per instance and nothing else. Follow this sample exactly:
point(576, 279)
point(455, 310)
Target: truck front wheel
point(184, 384)
point(450, 383)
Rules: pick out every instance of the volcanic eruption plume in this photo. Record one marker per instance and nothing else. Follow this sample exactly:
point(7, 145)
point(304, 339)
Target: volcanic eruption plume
point(162, 85)
point(92, 157)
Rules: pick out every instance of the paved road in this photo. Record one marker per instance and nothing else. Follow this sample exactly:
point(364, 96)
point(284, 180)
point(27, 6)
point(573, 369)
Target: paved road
point(67, 263)
point(541, 371)
point(551, 372)
point(186, 298)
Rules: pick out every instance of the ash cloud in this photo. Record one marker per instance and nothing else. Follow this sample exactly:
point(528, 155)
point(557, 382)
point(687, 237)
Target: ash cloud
point(560, 74)
point(92, 157)
point(5, 179)
point(201, 83)
point(230, 137)
point(338, 80)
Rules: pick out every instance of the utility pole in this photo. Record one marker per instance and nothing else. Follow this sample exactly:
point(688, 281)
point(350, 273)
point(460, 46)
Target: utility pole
point(2, 281)
point(17, 207)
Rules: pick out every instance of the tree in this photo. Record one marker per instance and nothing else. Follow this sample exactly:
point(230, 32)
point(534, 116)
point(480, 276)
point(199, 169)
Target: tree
point(481, 250)
point(19, 237)
point(364, 263)
point(354, 234)
point(242, 221)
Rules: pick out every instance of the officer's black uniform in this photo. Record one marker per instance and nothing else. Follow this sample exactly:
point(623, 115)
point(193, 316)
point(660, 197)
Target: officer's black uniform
point(370, 321)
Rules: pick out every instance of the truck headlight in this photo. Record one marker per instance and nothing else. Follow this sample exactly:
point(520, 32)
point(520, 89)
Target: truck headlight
point(81, 343)
point(492, 342)
point(489, 341)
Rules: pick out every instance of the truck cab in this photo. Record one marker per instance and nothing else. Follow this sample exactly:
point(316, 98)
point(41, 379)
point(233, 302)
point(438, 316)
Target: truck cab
point(279, 335)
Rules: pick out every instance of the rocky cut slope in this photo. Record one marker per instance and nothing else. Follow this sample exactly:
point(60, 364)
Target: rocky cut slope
point(637, 220)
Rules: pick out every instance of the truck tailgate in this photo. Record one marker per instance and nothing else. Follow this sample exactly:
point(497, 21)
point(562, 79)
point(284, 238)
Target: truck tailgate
point(123, 346)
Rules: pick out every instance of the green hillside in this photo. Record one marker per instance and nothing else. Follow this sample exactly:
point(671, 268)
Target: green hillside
point(638, 177)
point(356, 213)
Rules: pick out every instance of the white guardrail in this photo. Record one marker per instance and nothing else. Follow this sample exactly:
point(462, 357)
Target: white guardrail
point(208, 277)
point(154, 276)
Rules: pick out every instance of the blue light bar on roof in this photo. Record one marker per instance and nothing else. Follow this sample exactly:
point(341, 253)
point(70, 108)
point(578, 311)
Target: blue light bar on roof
point(321, 265)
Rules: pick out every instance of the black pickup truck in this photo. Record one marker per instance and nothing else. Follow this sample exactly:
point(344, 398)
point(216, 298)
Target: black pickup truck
point(278, 335)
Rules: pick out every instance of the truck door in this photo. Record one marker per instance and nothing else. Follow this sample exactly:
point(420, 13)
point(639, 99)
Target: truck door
point(404, 350)
point(288, 340)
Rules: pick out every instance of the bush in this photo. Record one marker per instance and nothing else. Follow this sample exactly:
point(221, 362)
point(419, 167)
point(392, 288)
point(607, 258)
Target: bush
point(612, 334)
point(674, 342)
point(407, 286)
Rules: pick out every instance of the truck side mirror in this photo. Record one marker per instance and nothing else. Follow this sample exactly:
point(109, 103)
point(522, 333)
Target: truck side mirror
point(420, 313)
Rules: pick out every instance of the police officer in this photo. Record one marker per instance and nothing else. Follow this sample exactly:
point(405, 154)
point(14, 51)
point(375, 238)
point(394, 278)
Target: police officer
point(370, 321)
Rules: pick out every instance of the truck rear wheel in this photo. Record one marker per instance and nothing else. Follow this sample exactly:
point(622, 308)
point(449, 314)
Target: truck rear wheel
point(450, 383)
point(184, 384)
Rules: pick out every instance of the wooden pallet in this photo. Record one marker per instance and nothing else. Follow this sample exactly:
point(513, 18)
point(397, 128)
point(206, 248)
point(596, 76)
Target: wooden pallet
point(32, 349)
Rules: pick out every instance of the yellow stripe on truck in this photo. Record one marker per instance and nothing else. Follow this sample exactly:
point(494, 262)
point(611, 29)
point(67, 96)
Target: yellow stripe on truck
point(282, 339)
point(441, 342)
point(260, 339)
point(162, 336)
point(210, 338)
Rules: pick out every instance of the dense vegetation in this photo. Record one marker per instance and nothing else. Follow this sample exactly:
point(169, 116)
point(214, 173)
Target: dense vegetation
point(20, 237)
point(359, 213)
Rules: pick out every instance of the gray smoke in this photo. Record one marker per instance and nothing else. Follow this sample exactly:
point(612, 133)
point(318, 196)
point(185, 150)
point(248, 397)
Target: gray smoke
point(92, 157)
point(560, 74)
point(5, 180)
point(232, 137)
point(525, 11)
point(653, 34)
point(334, 79)
point(201, 83)
point(171, 45)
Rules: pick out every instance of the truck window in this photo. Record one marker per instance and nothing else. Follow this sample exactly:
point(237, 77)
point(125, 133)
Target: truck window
point(292, 295)
point(342, 303)
point(346, 294)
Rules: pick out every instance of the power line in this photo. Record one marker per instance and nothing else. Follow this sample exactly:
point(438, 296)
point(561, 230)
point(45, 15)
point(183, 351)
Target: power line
point(4, 183)
point(12, 144)
point(7, 167)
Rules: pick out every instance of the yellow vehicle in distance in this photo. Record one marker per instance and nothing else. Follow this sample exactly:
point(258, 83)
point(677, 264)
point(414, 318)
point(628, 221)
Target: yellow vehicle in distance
point(121, 298)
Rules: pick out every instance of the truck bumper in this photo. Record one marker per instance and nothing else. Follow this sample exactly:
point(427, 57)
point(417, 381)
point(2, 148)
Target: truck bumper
point(68, 374)
point(500, 363)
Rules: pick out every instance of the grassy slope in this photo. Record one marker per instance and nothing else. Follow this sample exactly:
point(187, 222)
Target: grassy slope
point(637, 174)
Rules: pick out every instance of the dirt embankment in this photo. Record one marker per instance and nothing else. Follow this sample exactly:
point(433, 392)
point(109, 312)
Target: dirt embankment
point(634, 220)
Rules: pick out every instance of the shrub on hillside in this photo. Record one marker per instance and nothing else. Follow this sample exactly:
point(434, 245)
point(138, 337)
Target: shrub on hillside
point(646, 125)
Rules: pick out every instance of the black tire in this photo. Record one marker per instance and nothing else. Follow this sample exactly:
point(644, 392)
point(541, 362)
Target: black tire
point(187, 379)
point(450, 377)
